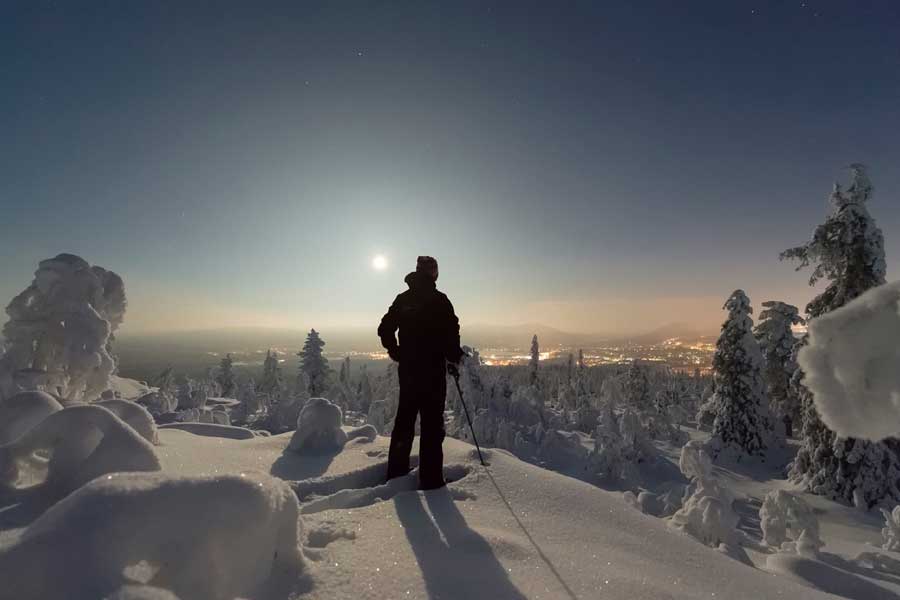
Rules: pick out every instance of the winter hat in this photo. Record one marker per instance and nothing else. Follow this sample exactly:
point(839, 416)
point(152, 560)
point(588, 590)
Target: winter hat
point(427, 265)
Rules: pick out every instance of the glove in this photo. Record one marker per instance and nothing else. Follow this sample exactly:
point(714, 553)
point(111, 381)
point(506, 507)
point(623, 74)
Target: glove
point(394, 353)
point(453, 369)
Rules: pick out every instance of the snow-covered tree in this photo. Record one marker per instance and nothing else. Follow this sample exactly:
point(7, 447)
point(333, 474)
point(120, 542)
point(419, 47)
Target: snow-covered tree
point(742, 421)
point(364, 390)
point(637, 388)
point(535, 359)
point(313, 364)
point(225, 376)
point(344, 376)
point(847, 250)
point(271, 383)
point(776, 341)
point(60, 330)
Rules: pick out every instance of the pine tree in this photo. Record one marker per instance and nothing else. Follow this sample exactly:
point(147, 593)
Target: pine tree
point(225, 376)
point(313, 364)
point(776, 340)
point(535, 358)
point(742, 420)
point(847, 250)
point(570, 369)
point(364, 390)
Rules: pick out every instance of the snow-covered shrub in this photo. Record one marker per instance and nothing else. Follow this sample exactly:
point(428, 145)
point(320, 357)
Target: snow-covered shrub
point(890, 533)
point(62, 325)
point(850, 365)
point(694, 461)
point(782, 511)
point(318, 428)
point(158, 402)
point(135, 416)
point(707, 514)
point(377, 416)
point(562, 448)
point(81, 442)
point(202, 538)
point(23, 411)
point(526, 406)
point(742, 426)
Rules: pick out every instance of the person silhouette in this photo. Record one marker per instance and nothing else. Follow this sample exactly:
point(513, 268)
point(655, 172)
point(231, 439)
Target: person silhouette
point(428, 348)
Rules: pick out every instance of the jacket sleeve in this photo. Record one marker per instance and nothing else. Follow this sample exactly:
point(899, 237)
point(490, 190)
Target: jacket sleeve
point(453, 352)
point(388, 328)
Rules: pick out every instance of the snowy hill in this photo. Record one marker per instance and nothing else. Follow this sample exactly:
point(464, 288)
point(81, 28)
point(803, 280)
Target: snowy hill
point(515, 531)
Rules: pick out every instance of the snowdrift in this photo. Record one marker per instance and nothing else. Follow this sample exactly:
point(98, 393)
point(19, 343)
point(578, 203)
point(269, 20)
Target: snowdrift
point(189, 536)
point(71, 447)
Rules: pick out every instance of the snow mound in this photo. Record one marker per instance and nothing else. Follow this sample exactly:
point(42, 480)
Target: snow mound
point(850, 365)
point(23, 411)
point(141, 592)
point(212, 430)
point(318, 428)
point(135, 415)
point(123, 527)
point(70, 448)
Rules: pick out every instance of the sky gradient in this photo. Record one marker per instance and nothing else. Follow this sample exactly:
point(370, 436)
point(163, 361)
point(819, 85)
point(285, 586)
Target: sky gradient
point(603, 167)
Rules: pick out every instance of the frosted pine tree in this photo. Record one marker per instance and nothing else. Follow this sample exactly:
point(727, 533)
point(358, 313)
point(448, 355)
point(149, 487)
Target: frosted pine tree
point(741, 424)
point(313, 364)
point(225, 376)
point(847, 250)
point(535, 358)
point(776, 340)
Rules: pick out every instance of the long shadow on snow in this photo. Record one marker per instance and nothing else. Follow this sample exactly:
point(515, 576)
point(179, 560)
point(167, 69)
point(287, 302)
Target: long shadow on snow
point(463, 566)
point(293, 466)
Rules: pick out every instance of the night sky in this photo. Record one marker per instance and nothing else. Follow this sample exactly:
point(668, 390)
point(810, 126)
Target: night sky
point(592, 166)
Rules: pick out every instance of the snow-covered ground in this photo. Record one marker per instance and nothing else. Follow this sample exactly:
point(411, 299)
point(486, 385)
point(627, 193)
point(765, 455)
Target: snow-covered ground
point(512, 531)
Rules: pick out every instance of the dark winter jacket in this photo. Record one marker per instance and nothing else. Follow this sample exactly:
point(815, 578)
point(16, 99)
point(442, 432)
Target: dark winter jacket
point(429, 329)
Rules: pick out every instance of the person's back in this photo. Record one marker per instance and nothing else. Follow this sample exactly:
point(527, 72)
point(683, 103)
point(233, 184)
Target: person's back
point(429, 338)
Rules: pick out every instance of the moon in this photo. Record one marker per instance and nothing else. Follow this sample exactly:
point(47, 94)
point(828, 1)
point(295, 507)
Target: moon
point(379, 262)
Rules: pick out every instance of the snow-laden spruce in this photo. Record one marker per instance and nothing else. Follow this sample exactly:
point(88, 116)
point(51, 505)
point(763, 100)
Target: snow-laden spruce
point(60, 328)
point(313, 364)
point(847, 250)
point(742, 425)
point(777, 341)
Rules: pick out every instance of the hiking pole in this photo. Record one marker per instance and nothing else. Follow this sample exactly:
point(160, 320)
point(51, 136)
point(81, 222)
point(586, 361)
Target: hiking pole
point(468, 418)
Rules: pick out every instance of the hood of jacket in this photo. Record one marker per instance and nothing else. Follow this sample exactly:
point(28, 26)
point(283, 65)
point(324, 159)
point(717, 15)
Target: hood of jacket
point(419, 282)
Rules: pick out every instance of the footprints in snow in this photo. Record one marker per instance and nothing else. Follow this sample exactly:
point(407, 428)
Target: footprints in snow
point(366, 486)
